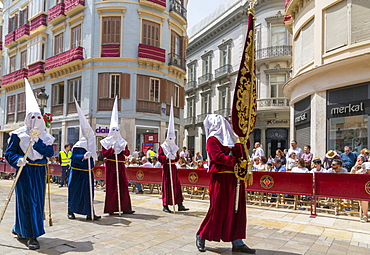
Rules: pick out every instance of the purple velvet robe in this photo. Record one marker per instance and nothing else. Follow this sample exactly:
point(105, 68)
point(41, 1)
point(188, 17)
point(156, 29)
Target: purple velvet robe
point(111, 194)
point(166, 184)
point(221, 222)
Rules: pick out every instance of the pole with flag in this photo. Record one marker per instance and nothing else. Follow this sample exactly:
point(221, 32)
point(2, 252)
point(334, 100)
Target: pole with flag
point(88, 134)
point(244, 108)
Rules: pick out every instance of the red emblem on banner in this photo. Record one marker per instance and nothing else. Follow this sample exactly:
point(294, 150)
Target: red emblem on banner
point(267, 182)
point(98, 172)
point(140, 175)
point(367, 187)
point(193, 177)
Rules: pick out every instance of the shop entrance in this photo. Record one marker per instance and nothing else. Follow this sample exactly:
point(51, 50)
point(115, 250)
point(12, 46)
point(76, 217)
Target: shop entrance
point(276, 138)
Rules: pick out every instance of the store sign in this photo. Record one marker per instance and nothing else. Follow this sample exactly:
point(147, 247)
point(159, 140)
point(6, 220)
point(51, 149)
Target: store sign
point(300, 118)
point(101, 130)
point(275, 122)
point(348, 109)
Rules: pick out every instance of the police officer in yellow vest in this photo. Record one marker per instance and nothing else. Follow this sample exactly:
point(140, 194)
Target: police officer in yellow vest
point(150, 154)
point(65, 162)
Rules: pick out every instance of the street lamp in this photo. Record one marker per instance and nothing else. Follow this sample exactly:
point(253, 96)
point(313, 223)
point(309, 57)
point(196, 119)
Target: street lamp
point(42, 99)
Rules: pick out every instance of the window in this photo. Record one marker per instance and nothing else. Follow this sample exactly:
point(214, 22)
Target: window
point(59, 44)
point(114, 85)
point(276, 85)
point(58, 94)
point(176, 95)
point(76, 36)
point(36, 6)
point(111, 30)
point(111, 85)
point(336, 26)
point(74, 90)
point(304, 48)
point(205, 104)
point(223, 99)
point(206, 66)
point(360, 21)
point(24, 59)
point(192, 73)
point(150, 33)
point(36, 49)
point(23, 17)
point(154, 90)
point(257, 37)
point(21, 110)
point(11, 108)
point(13, 23)
point(12, 64)
point(278, 35)
point(190, 108)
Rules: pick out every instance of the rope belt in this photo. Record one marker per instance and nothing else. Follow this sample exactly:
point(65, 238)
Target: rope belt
point(226, 172)
point(32, 164)
point(79, 169)
point(115, 160)
point(172, 163)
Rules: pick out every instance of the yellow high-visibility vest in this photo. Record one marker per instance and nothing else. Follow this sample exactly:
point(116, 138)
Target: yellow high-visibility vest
point(65, 158)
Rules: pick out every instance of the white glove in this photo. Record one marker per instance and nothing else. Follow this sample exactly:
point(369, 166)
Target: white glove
point(117, 150)
point(35, 139)
point(170, 156)
point(22, 162)
point(87, 155)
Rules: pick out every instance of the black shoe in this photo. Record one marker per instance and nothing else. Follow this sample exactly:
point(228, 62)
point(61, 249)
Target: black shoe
point(128, 212)
point(96, 217)
point(19, 237)
point(140, 192)
point(111, 214)
point(166, 209)
point(182, 208)
point(200, 243)
point(243, 249)
point(33, 244)
point(71, 215)
point(60, 186)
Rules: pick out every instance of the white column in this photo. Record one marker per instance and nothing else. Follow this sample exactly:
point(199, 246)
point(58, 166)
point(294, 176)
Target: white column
point(318, 124)
point(64, 134)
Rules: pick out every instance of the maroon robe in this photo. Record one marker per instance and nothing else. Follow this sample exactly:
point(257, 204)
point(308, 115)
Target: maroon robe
point(166, 184)
point(221, 222)
point(111, 194)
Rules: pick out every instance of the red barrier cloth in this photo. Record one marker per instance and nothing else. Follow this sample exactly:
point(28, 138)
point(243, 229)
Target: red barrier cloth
point(55, 170)
point(166, 180)
point(347, 186)
point(9, 168)
point(221, 221)
point(284, 183)
point(99, 173)
point(144, 175)
point(194, 177)
point(111, 189)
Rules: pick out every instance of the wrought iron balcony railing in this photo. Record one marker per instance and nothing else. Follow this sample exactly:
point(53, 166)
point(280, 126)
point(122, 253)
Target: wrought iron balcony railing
point(200, 118)
point(205, 78)
point(189, 121)
point(177, 7)
point(274, 51)
point(177, 60)
point(223, 70)
point(191, 85)
point(224, 112)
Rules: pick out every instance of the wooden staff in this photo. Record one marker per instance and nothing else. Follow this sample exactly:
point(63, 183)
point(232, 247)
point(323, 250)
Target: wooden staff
point(50, 218)
point(172, 189)
point(118, 186)
point(90, 181)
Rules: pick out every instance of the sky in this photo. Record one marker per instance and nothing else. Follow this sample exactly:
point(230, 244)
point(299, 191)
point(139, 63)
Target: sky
point(198, 9)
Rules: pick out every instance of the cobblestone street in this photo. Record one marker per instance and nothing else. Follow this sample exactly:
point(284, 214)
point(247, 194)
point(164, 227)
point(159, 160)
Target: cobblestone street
point(151, 231)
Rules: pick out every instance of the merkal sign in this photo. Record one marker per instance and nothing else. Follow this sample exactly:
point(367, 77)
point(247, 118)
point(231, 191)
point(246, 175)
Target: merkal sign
point(300, 118)
point(348, 109)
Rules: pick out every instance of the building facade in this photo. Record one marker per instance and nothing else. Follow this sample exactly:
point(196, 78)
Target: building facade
point(213, 58)
point(94, 51)
point(330, 83)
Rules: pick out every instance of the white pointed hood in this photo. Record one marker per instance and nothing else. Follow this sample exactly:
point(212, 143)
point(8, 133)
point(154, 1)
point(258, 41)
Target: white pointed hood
point(217, 126)
point(33, 120)
point(114, 139)
point(169, 146)
point(87, 141)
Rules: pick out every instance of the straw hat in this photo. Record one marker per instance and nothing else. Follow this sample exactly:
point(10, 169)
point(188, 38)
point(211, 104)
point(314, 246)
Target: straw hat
point(331, 154)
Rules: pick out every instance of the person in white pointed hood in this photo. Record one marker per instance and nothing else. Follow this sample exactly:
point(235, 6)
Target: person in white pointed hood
point(30, 188)
point(111, 145)
point(168, 155)
point(79, 200)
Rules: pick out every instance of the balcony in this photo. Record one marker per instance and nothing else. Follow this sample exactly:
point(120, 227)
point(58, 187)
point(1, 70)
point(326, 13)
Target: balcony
point(148, 106)
point(56, 14)
point(10, 39)
point(73, 6)
point(15, 76)
point(151, 52)
point(36, 68)
point(64, 58)
point(176, 111)
point(57, 110)
point(205, 79)
point(223, 70)
point(177, 60)
point(38, 23)
point(71, 107)
point(224, 112)
point(190, 85)
point(21, 116)
point(268, 103)
point(177, 7)
point(110, 50)
point(200, 118)
point(157, 4)
point(22, 32)
point(273, 52)
point(106, 104)
point(10, 118)
point(189, 121)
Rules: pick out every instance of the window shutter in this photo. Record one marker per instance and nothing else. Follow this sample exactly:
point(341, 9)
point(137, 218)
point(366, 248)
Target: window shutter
point(124, 85)
point(360, 21)
point(157, 35)
point(163, 91)
point(181, 97)
point(336, 29)
point(170, 91)
point(10, 24)
point(105, 29)
point(183, 46)
point(307, 42)
point(144, 32)
point(15, 21)
point(142, 91)
point(21, 18)
point(116, 30)
point(103, 83)
point(173, 42)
